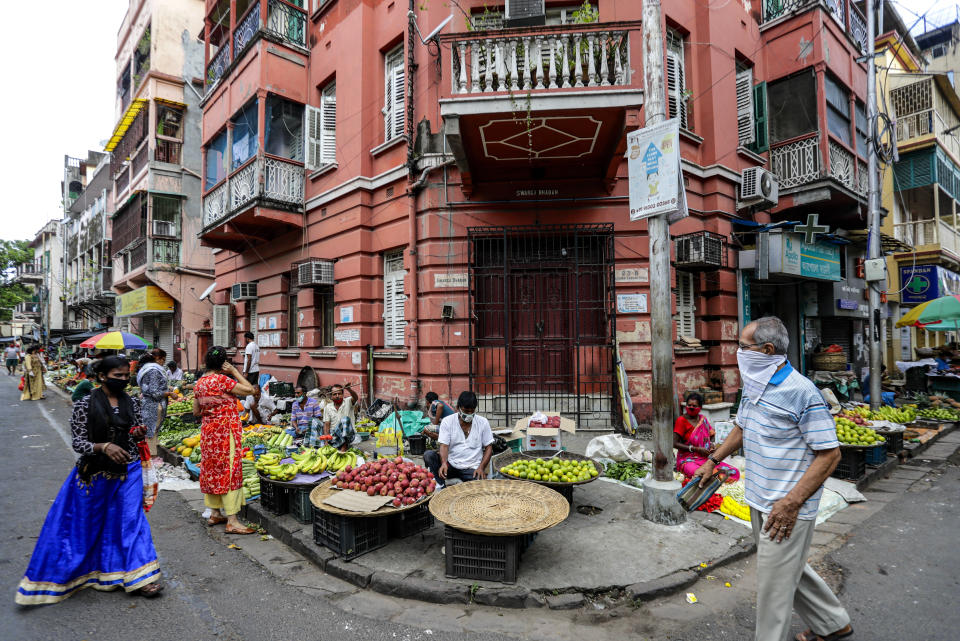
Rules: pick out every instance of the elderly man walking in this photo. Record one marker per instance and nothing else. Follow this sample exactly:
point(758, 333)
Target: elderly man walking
point(791, 447)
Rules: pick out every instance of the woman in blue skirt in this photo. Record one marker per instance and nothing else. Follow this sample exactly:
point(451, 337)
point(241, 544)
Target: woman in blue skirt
point(96, 534)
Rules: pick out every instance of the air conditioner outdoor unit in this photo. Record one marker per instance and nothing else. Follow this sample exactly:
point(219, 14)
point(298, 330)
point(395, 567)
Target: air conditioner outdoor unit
point(164, 228)
point(700, 250)
point(244, 291)
point(315, 272)
point(523, 13)
point(758, 187)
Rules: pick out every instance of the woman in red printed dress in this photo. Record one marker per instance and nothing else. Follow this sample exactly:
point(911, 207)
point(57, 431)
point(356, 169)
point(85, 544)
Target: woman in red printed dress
point(221, 472)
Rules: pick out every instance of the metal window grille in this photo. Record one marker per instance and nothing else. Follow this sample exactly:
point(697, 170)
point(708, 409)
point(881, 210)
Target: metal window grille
point(542, 321)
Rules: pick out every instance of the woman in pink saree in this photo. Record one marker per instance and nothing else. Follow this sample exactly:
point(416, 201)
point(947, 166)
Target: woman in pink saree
point(693, 439)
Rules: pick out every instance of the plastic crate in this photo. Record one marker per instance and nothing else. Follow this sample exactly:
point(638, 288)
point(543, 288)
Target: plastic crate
point(349, 536)
point(852, 465)
point(876, 455)
point(417, 443)
point(273, 497)
point(300, 506)
point(410, 522)
point(894, 442)
point(485, 558)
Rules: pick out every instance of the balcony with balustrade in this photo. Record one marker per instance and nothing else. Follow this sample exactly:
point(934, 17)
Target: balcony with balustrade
point(235, 27)
point(843, 13)
point(260, 200)
point(525, 102)
point(31, 273)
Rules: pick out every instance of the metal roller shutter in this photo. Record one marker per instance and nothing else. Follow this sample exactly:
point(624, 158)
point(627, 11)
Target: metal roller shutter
point(837, 331)
point(165, 333)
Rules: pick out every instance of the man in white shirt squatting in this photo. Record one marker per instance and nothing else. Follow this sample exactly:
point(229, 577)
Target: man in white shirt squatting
point(465, 444)
point(790, 443)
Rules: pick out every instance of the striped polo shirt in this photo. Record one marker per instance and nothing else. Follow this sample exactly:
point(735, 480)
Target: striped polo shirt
point(780, 434)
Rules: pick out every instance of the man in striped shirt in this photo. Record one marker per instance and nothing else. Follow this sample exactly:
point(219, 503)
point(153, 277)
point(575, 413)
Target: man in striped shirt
point(790, 443)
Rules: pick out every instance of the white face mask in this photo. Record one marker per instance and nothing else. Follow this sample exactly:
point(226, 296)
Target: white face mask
point(756, 370)
point(466, 418)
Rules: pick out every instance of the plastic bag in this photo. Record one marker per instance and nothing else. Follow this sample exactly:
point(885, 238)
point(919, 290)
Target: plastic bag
point(23, 383)
point(150, 480)
point(617, 448)
point(410, 422)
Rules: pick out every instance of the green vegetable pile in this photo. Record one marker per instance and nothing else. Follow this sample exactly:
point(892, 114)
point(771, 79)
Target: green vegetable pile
point(170, 440)
point(180, 407)
point(625, 470)
point(175, 424)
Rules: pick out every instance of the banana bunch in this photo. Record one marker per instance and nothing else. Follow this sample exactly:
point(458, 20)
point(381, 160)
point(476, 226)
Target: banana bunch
point(310, 461)
point(282, 471)
point(267, 460)
point(339, 460)
point(895, 415)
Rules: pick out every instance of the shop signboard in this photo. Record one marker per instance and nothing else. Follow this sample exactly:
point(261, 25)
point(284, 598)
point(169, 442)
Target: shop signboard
point(922, 283)
point(791, 256)
point(144, 300)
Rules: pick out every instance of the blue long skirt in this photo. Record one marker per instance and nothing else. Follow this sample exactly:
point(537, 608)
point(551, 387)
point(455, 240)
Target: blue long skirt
point(96, 536)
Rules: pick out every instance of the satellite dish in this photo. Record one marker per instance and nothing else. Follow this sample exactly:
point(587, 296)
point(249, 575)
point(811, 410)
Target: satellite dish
point(208, 290)
point(433, 34)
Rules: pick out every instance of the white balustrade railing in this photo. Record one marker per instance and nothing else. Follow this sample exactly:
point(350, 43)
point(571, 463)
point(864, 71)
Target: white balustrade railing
point(842, 166)
point(796, 163)
point(949, 238)
point(215, 207)
point(916, 232)
point(283, 181)
point(244, 185)
point(914, 125)
point(488, 63)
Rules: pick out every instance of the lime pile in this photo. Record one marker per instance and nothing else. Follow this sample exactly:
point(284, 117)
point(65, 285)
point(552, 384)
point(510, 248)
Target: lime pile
point(552, 470)
point(852, 434)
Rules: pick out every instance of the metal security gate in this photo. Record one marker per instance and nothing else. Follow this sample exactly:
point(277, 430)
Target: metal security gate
point(543, 318)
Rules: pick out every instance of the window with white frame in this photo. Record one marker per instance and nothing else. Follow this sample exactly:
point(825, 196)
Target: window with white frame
point(393, 299)
point(394, 111)
point(676, 79)
point(686, 321)
point(321, 139)
point(746, 125)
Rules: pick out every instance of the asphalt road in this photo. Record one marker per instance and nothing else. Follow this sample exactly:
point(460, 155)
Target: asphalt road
point(211, 592)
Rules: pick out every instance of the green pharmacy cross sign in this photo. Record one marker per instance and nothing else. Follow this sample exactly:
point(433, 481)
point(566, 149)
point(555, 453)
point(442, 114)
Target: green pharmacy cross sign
point(918, 284)
point(811, 229)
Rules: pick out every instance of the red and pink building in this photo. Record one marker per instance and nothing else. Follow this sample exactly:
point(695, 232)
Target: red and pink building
point(417, 216)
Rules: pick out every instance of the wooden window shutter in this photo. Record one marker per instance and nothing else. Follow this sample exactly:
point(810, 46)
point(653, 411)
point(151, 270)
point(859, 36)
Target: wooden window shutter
point(394, 93)
point(312, 138)
point(328, 126)
point(761, 141)
point(746, 128)
point(393, 300)
point(676, 102)
point(686, 322)
point(222, 325)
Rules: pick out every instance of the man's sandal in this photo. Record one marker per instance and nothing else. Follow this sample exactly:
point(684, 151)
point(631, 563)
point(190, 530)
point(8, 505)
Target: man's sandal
point(809, 635)
point(216, 520)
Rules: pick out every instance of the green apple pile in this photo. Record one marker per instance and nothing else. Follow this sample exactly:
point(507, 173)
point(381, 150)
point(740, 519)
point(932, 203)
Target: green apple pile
point(552, 470)
point(852, 434)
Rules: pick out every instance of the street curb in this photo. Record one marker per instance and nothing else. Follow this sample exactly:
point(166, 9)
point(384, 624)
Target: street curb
point(299, 538)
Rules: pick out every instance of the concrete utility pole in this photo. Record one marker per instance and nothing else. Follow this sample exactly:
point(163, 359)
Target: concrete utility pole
point(660, 490)
point(873, 205)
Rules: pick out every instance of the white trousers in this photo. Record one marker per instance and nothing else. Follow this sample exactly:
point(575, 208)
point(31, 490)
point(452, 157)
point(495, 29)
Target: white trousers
point(786, 582)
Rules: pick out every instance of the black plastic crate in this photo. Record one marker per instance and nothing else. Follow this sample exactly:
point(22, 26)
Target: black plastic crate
point(410, 522)
point(273, 497)
point(299, 501)
point(349, 536)
point(417, 444)
point(894, 442)
point(876, 455)
point(852, 465)
point(485, 558)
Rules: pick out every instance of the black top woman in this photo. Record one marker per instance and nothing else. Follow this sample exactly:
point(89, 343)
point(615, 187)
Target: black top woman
point(96, 534)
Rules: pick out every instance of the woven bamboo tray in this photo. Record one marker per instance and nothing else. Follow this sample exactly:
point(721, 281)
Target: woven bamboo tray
point(324, 490)
point(829, 362)
point(499, 507)
point(506, 459)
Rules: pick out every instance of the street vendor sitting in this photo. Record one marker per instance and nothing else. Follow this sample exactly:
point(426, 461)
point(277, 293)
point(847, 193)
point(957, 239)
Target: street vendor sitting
point(466, 444)
point(338, 417)
point(437, 410)
point(693, 437)
point(305, 409)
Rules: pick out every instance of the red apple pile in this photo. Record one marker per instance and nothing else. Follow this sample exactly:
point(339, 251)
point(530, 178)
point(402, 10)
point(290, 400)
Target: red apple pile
point(406, 482)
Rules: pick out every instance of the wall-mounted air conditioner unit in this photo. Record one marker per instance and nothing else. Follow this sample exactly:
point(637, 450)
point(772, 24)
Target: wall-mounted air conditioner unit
point(244, 291)
point(758, 187)
point(315, 272)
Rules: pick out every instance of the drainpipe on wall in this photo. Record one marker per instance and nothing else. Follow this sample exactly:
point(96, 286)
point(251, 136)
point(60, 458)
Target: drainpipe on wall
point(413, 330)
